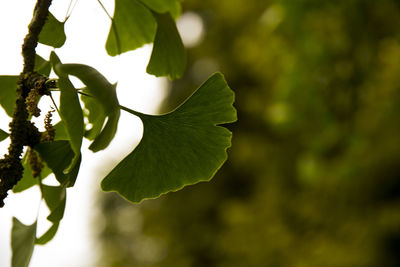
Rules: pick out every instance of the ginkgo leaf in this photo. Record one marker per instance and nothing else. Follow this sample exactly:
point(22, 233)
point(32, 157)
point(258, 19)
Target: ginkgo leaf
point(3, 135)
point(163, 6)
point(52, 33)
point(103, 92)
point(22, 243)
point(133, 25)
point(58, 155)
point(168, 57)
point(48, 235)
point(180, 148)
point(42, 66)
point(70, 111)
point(8, 93)
point(55, 198)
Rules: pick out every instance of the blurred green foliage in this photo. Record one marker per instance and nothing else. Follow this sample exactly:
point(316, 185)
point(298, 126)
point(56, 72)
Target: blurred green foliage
point(313, 177)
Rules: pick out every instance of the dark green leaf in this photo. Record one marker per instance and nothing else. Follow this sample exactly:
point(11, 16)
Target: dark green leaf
point(42, 66)
point(179, 148)
point(103, 92)
point(22, 243)
point(55, 198)
point(3, 135)
point(8, 93)
point(163, 6)
point(168, 57)
point(50, 233)
point(52, 33)
point(57, 156)
point(70, 111)
point(61, 134)
point(28, 180)
point(133, 26)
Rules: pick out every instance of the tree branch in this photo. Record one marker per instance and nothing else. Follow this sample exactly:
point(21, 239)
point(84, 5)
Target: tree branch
point(22, 131)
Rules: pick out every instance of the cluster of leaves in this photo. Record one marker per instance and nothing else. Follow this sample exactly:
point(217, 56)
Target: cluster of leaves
point(179, 148)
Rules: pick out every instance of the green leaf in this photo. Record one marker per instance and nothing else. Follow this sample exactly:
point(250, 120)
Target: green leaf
point(179, 148)
point(70, 111)
point(42, 66)
point(3, 135)
point(8, 93)
point(52, 33)
point(168, 57)
point(103, 92)
point(48, 235)
point(57, 156)
point(55, 198)
point(61, 133)
point(133, 26)
point(163, 6)
point(28, 180)
point(22, 243)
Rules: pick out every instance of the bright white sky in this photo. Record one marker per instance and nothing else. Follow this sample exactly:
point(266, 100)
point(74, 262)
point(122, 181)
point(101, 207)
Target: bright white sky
point(86, 32)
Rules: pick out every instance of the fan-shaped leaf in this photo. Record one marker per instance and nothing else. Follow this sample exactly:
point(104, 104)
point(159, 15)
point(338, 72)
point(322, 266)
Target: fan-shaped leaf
point(133, 25)
point(52, 33)
point(22, 243)
point(179, 148)
point(168, 56)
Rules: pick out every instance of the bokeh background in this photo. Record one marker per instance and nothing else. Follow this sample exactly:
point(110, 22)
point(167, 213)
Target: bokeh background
point(313, 175)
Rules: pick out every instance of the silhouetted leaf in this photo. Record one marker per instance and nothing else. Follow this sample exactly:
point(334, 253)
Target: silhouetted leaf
point(42, 66)
point(179, 148)
point(103, 92)
point(163, 6)
point(48, 235)
point(168, 56)
point(3, 135)
point(52, 33)
point(58, 155)
point(22, 243)
point(133, 26)
point(70, 111)
point(8, 93)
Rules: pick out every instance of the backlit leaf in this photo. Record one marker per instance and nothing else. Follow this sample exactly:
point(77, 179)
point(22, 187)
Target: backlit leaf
point(52, 33)
point(133, 26)
point(163, 6)
point(42, 66)
point(103, 92)
point(22, 243)
point(48, 235)
point(70, 111)
point(3, 135)
point(57, 156)
point(8, 93)
point(168, 56)
point(179, 148)
point(55, 198)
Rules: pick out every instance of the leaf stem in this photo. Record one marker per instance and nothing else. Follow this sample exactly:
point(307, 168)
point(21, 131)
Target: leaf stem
point(130, 111)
